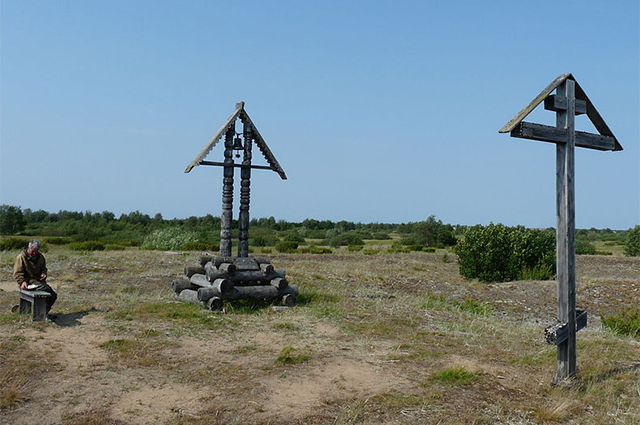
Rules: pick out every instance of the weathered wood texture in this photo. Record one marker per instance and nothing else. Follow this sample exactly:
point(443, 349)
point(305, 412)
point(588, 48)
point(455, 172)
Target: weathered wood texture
point(244, 292)
point(570, 100)
point(245, 192)
point(34, 302)
point(226, 218)
point(545, 133)
point(565, 233)
point(180, 284)
point(191, 270)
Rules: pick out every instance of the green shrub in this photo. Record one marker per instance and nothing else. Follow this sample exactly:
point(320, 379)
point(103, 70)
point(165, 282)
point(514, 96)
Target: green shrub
point(200, 246)
point(170, 238)
point(87, 246)
point(370, 251)
point(632, 245)
point(429, 249)
point(627, 323)
point(265, 240)
point(11, 220)
point(355, 248)
point(315, 250)
point(381, 236)
point(345, 239)
point(474, 307)
point(287, 356)
point(497, 253)
point(114, 247)
point(456, 376)
point(584, 247)
point(286, 246)
point(9, 244)
point(57, 240)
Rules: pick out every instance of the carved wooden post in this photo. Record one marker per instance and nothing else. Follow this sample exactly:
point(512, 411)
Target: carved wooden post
point(227, 194)
point(245, 191)
point(565, 232)
point(250, 135)
point(570, 100)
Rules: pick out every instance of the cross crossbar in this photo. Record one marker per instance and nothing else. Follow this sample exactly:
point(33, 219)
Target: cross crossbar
point(546, 133)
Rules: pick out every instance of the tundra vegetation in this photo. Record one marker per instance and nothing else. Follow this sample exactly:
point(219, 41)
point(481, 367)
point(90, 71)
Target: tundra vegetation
point(383, 333)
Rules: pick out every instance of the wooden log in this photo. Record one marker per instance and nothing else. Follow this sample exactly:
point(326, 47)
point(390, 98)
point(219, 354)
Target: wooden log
point(180, 284)
point(227, 268)
point(279, 282)
point(205, 259)
point(289, 300)
point(200, 280)
point(244, 275)
point(246, 264)
point(191, 270)
point(190, 296)
point(266, 268)
point(243, 292)
point(262, 260)
point(219, 259)
point(214, 304)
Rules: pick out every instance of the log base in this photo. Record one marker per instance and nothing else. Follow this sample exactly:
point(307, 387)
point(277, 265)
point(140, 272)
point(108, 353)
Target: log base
point(230, 278)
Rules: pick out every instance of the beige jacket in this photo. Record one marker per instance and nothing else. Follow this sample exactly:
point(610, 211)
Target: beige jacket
point(28, 270)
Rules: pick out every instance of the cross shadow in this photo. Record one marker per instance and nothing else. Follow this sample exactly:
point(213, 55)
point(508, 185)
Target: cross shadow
point(71, 319)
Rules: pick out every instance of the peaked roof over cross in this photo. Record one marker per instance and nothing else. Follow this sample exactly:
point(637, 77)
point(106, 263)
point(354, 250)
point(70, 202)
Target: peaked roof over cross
point(608, 142)
point(241, 113)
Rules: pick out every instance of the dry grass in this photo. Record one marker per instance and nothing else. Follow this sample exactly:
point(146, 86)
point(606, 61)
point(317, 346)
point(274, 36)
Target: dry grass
point(375, 339)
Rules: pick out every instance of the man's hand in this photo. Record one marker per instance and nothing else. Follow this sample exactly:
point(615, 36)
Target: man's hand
point(23, 285)
point(43, 277)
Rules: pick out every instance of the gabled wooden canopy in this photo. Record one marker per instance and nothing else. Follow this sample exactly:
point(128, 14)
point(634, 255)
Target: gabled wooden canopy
point(518, 128)
point(262, 145)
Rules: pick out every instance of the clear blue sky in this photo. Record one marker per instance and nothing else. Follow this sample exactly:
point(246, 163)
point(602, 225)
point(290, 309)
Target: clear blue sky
point(379, 111)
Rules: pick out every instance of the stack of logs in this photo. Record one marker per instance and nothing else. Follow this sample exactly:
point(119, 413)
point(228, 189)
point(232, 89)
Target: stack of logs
point(216, 278)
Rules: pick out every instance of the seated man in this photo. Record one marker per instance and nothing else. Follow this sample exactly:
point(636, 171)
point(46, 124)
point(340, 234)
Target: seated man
point(30, 271)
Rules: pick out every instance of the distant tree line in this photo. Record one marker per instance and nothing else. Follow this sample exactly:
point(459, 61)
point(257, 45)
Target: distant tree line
point(139, 229)
point(134, 228)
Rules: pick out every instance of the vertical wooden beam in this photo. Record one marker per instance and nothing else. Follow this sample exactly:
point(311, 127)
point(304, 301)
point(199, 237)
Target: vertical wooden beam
point(227, 194)
point(245, 188)
point(565, 233)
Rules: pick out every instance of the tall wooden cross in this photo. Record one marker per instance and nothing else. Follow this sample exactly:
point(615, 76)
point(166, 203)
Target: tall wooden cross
point(233, 142)
point(569, 100)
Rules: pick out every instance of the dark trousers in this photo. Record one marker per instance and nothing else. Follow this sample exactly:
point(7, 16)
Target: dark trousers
point(42, 286)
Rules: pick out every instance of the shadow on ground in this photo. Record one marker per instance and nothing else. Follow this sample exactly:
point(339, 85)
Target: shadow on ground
point(71, 319)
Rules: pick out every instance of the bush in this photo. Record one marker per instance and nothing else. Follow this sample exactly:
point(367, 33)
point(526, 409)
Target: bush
point(11, 220)
point(497, 253)
point(584, 247)
point(200, 246)
point(632, 246)
point(315, 250)
point(286, 246)
point(627, 323)
point(169, 238)
point(57, 240)
point(265, 240)
point(87, 246)
point(345, 239)
point(355, 248)
point(114, 247)
point(9, 244)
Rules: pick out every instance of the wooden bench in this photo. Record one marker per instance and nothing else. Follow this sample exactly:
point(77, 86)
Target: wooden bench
point(34, 302)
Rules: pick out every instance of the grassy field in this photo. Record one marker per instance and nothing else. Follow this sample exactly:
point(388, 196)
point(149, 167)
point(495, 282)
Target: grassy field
point(375, 339)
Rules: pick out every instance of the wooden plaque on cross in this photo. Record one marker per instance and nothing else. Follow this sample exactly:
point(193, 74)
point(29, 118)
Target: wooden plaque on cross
point(568, 101)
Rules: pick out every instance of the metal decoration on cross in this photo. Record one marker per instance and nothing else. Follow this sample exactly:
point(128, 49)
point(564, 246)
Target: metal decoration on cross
point(568, 101)
point(243, 147)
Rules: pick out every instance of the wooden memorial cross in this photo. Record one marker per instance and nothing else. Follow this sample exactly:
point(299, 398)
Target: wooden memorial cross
point(570, 100)
point(233, 142)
